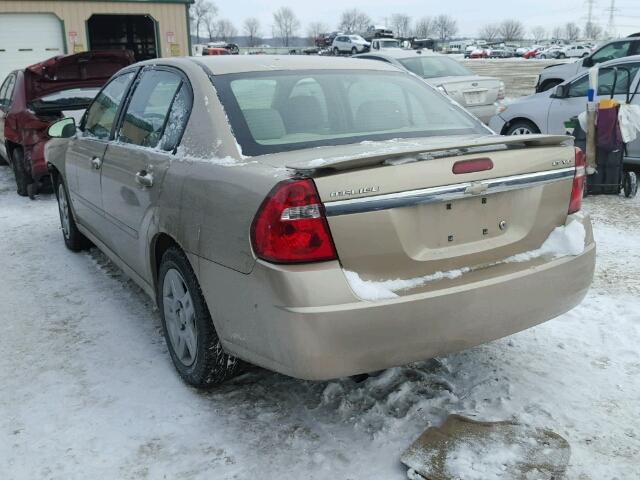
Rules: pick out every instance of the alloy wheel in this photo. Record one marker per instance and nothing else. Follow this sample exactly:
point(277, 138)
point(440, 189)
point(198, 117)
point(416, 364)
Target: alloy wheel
point(63, 208)
point(522, 131)
point(180, 317)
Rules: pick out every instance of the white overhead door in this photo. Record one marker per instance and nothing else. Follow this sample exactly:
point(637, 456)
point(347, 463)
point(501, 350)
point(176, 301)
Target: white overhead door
point(28, 38)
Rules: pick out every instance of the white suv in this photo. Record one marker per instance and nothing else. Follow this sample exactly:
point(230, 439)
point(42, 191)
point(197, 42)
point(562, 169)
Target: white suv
point(350, 43)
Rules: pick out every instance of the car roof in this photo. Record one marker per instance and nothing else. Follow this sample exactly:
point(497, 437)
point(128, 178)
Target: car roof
point(222, 65)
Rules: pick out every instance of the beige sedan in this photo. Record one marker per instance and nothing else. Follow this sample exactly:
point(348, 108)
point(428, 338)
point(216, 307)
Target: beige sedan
point(319, 217)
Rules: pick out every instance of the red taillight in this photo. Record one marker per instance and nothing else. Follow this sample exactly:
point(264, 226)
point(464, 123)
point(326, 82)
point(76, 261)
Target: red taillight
point(290, 226)
point(473, 165)
point(577, 191)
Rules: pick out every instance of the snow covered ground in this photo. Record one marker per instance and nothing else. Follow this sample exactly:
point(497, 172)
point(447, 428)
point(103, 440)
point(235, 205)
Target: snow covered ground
point(87, 389)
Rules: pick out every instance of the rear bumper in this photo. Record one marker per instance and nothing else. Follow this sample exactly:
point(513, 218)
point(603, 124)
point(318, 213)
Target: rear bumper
point(329, 333)
point(484, 112)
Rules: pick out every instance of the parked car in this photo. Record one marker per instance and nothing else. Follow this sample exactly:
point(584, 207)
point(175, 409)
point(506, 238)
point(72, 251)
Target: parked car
point(553, 52)
point(33, 98)
point(215, 51)
point(423, 43)
point(520, 51)
point(501, 52)
point(478, 94)
point(352, 44)
point(480, 53)
point(375, 223)
point(576, 51)
point(468, 50)
point(556, 74)
point(378, 31)
point(547, 111)
point(378, 44)
point(531, 53)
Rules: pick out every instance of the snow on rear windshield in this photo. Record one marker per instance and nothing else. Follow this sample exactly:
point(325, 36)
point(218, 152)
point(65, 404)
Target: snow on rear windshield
point(272, 112)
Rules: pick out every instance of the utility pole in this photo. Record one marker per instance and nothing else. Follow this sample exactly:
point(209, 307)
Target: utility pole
point(588, 31)
point(611, 27)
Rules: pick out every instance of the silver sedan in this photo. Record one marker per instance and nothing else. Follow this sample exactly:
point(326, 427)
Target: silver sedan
point(479, 95)
point(546, 112)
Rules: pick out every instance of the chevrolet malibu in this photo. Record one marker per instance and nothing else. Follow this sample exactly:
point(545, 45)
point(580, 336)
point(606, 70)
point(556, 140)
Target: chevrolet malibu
point(319, 217)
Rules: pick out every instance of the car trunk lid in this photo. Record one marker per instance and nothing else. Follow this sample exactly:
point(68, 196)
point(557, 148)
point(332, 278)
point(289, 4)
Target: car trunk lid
point(403, 216)
point(470, 91)
point(87, 69)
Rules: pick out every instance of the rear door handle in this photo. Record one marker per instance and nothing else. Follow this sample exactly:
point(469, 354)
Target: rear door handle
point(144, 178)
point(96, 163)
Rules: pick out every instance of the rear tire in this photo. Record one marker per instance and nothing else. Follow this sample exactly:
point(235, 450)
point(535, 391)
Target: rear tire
point(336, 51)
point(73, 238)
point(191, 338)
point(23, 177)
point(630, 184)
point(522, 127)
point(354, 51)
point(562, 55)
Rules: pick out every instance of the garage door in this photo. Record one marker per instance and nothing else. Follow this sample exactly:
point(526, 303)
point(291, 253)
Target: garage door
point(28, 38)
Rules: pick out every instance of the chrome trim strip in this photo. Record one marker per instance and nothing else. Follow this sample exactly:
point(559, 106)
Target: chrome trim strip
point(445, 193)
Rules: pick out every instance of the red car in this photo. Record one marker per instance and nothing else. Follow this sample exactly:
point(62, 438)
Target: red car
point(531, 53)
point(479, 53)
point(33, 98)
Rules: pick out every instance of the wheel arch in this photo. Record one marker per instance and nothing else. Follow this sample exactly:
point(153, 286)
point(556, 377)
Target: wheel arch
point(508, 124)
point(160, 243)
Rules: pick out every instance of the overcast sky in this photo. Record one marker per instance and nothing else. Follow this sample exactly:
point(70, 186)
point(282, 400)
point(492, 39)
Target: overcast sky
point(470, 14)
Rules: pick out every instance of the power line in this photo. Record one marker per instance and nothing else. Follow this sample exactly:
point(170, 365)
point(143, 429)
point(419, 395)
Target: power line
point(611, 28)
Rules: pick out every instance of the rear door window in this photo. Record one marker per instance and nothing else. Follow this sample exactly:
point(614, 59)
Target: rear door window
point(606, 77)
point(101, 115)
point(148, 109)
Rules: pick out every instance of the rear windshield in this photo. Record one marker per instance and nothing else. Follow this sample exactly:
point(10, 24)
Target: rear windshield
point(273, 112)
point(74, 98)
point(432, 67)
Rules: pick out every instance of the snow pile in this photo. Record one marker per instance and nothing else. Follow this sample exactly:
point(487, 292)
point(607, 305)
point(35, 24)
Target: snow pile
point(562, 242)
point(373, 290)
point(483, 459)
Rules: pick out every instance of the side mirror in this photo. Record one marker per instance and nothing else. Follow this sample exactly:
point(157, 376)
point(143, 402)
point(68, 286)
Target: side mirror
point(562, 91)
point(65, 128)
point(587, 62)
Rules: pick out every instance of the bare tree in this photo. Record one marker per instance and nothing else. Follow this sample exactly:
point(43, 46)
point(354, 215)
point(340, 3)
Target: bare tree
point(446, 27)
point(251, 27)
point(571, 31)
point(314, 29)
point(401, 24)
point(592, 31)
point(511, 30)
point(538, 33)
point(557, 33)
point(354, 21)
point(490, 32)
point(425, 27)
point(285, 24)
point(225, 30)
point(201, 13)
point(211, 25)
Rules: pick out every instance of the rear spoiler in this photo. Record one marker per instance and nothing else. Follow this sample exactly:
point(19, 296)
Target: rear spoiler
point(424, 149)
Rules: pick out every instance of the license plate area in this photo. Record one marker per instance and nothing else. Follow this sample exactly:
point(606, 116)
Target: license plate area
point(475, 97)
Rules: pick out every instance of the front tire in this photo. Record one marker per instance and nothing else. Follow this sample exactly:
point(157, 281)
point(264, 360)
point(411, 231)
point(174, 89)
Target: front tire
point(73, 238)
point(354, 51)
point(336, 51)
point(191, 338)
point(522, 127)
point(562, 55)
